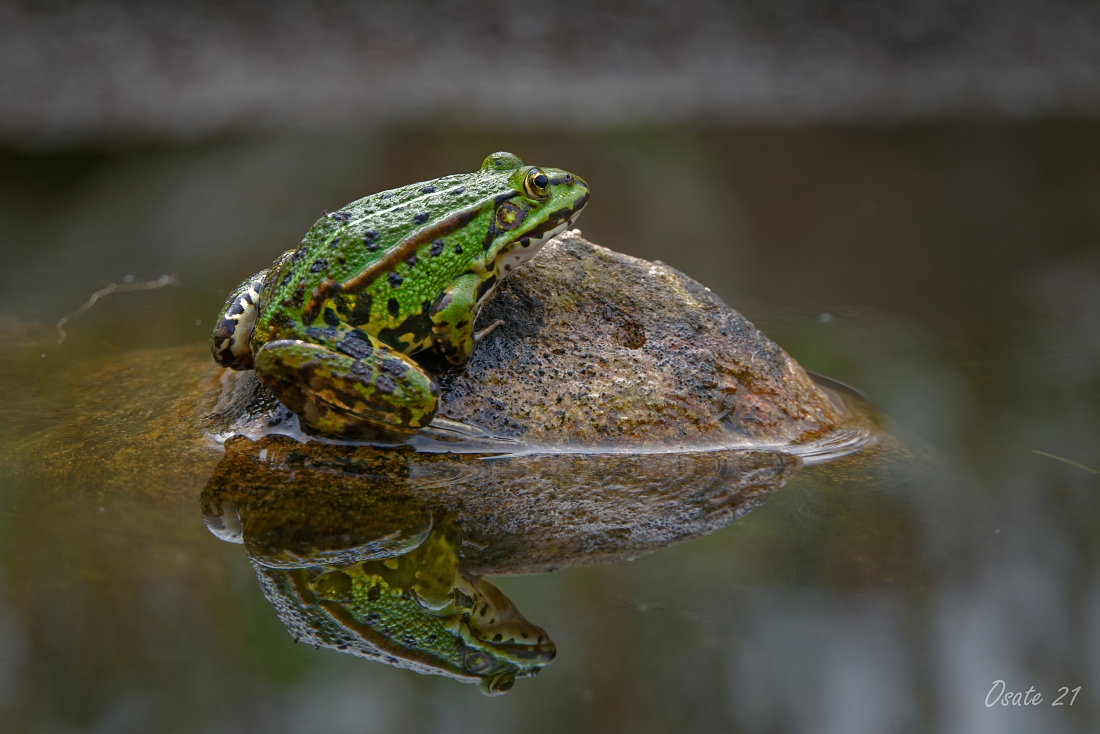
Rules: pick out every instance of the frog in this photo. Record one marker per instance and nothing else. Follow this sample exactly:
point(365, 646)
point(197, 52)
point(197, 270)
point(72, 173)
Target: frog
point(418, 610)
point(333, 326)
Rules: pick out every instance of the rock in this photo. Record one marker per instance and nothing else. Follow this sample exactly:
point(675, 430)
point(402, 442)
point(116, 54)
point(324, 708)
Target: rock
point(601, 350)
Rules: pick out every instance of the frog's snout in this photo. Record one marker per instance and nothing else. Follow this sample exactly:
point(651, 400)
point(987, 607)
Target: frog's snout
point(580, 192)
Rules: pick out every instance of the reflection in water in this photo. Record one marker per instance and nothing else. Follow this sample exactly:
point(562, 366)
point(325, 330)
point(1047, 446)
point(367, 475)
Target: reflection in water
point(378, 552)
point(373, 573)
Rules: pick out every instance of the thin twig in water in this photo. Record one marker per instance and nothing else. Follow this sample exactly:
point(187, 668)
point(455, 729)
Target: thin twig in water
point(144, 285)
point(1090, 470)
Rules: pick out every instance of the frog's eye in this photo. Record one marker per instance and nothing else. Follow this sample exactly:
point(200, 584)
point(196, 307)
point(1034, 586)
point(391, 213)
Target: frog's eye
point(498, 684)
point(537, 184)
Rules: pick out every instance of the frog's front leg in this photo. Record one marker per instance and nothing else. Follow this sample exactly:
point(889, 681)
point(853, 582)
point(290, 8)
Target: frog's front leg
point(453, 315)
point(348, 385)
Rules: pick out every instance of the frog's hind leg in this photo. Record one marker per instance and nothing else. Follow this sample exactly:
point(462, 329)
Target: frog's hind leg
point(353, 386)
point(230, 341)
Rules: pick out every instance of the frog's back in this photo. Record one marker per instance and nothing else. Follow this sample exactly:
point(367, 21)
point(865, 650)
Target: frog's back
point(361, 241)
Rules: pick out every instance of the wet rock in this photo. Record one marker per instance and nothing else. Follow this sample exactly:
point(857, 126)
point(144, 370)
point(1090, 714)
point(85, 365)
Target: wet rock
point(604, 350)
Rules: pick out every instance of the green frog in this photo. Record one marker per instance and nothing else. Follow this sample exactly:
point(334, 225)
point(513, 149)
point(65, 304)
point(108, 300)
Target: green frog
point(416, 610)
point(332, 326)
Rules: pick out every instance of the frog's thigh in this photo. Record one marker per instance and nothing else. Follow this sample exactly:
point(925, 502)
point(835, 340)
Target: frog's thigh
point(452, 317)
point(377, 393)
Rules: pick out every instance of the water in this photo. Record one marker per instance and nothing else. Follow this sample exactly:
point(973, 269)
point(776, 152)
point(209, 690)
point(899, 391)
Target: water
point(950, 272)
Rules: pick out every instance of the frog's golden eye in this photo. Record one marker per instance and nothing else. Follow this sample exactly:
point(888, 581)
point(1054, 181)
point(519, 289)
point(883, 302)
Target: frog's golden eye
point(498, 684)
point(537, 184)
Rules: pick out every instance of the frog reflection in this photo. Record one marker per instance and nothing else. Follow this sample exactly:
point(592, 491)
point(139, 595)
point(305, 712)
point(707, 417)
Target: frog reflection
point(384, 582)
point(379, 552)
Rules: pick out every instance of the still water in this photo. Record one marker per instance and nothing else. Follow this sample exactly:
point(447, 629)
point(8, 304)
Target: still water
point(951, 273)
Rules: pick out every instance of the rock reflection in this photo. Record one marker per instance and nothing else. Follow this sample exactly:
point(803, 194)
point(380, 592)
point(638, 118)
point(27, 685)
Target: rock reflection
point(380, 553)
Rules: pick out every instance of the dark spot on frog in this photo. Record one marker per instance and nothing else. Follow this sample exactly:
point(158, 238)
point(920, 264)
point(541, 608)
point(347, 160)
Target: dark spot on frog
point(413, 330)
point(394, 279)
point(298, 295)
point(525, 242)
point(428, 190)
point(485, 608)
point(236, 309)
point(319, 265)
point(361, 372)
point(498, 637)
point(437, 248)
point(411, 261)
point(370, 235)
point(355, 309)
point(394, 367)
point(409, 640)
point(486, 286)
point(286, 279)
point(456, 192)
point(331, 318)
point(341, 216)
point(393, 307)
point(373, 595)
point(372, 246)
point(458, 249)
point(421, 218)
point(387, 195)
point(507, 268)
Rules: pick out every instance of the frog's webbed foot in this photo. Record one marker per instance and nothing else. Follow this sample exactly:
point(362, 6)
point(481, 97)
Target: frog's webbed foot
point(464, 430)
point(356, 388)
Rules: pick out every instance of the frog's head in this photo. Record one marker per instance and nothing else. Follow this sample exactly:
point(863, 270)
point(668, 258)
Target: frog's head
point(536, 204)
point(502, 643)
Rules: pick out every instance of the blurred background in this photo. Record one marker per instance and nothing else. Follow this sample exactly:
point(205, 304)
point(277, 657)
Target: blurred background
point(904, 195)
